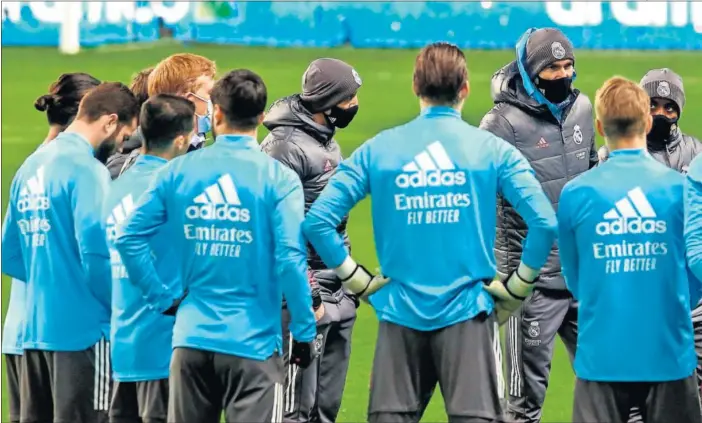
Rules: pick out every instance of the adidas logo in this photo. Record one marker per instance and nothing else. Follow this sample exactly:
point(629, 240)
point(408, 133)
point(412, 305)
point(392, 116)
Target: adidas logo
point(632, 214)
point(220, 201)
point(431, 168)
point(118, 215)
point(328, 166)
point(542, 143)
point(32, 195)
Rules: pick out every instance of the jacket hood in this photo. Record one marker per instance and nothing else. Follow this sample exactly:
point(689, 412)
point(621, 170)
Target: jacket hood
point(512, 85)
point(289, 112)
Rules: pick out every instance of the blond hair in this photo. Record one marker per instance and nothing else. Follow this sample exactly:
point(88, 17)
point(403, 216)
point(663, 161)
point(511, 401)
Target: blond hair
point(177, 74)
point(623, 108)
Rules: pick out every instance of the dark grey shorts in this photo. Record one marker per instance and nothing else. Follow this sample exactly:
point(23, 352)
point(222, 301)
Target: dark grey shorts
point(659, 402)
point(204, 384)
point(140, 402)
point(465, 359)
point(13, 370)
point(66, 386)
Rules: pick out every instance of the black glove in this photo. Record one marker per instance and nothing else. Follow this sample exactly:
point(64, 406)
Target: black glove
point(171, 311)
point(304, 353)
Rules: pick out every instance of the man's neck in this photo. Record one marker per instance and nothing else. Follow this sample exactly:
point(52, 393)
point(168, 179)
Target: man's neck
point(54, 131)
point(236, 132)
point(637, 142)
point(166, 155)
point(86, 131)
point(423, 104)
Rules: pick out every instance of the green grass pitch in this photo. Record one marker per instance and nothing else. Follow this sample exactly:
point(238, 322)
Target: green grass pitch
point(386, 100)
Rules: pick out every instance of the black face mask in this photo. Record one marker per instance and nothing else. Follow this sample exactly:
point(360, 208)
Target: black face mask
point(342, 117)
point(555, 90)
point(661, 129)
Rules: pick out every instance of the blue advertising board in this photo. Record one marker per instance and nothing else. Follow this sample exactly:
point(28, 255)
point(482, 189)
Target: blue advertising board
point(384, 24)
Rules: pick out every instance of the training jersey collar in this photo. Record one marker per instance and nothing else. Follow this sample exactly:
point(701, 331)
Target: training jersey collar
point(440, 111)
point(147, 161)
point(628, 152)
point(239, 141)
point(78, 140)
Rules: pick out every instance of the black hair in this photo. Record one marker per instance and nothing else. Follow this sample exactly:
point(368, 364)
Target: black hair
point(65, 94)
point(242, 96)
point(109, 98)
point(163, 118)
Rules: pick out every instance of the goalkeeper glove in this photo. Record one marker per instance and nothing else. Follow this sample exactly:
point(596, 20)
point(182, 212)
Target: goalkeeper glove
point(512, 291)
point(304, 353)
point(358, 280)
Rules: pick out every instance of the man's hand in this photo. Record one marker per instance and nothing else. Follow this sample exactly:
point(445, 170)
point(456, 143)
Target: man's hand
point(509, 293)
point(304, 353)
point(319, 312)
point(173, 309)
point(358, 280)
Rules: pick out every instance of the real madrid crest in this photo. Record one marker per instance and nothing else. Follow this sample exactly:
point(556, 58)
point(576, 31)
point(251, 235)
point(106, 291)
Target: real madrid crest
point(663, 89)
point(356, 77)
point(557, 50)
point(534, 330)
point(577, 135)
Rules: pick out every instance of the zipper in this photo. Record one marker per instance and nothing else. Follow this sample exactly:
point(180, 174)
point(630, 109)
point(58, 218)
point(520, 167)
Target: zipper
point(565, 153)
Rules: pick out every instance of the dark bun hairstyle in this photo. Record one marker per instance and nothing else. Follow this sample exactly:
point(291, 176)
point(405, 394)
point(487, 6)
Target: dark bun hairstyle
point(65, 94)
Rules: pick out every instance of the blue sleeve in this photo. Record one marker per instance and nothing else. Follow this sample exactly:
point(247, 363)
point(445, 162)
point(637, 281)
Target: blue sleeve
point(518, 184)
point(291, 255)
point(12, 259)
point(693, 232)
point(348, 186)
point(87, 202)
point(567, 246)
point(132, 242)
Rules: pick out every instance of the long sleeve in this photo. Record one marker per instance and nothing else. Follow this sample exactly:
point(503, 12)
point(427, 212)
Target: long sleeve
point(566, 242)
point(693, 227)
point(87, 201)
point(348, 186)
point(497, 125)
point(132, 242)
point(520, 187)
point(12, 259)
point(291, 255)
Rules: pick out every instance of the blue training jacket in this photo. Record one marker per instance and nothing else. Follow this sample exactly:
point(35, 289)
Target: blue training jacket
point(623, 258)
point(54, 239)
point(141, 337)
point(234, 216)
point(434, 183)
point(693, 217)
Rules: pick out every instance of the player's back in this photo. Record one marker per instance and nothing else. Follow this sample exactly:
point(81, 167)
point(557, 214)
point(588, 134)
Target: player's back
point(434, 183)
point(632, 279)
point(141, 339)
point(62, 311)
point(220, 215)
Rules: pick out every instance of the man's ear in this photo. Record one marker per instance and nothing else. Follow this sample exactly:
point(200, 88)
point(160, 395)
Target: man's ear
point(110, 123)
point(181, 142)
point(217, 114)
point(261, 117)
point(649, 123)
point(600, 128)
point(464, 92)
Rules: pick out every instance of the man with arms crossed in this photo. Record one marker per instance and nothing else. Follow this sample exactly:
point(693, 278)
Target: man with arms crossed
point(302, 137)
point(539, 112)
point(186, 75)
point(623, 258)
point(434, 182)
point(54, 239)
point(140, 338)
point(227, 208)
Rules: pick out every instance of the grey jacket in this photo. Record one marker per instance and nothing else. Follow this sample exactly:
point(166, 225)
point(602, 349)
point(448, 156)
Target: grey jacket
point(309, 149)
point(558, 152)
point(121, 160)
point(676, 153)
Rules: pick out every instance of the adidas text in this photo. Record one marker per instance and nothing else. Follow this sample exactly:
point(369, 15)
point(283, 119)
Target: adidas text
point(634, 225)
point(434, 178)
point(32, 203)
point(218, 212)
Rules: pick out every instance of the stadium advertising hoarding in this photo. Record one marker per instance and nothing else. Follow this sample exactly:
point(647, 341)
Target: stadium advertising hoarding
point(397, 24)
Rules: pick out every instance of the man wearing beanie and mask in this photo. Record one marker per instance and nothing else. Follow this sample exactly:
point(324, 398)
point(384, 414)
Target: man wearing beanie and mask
point(302, 137)
point(538, 111)
point(669, 145)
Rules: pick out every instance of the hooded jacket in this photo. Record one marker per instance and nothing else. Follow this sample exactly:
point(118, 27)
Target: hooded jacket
point(117, 161)
point(558, 141)
point(676, 153)
point(308, 148)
